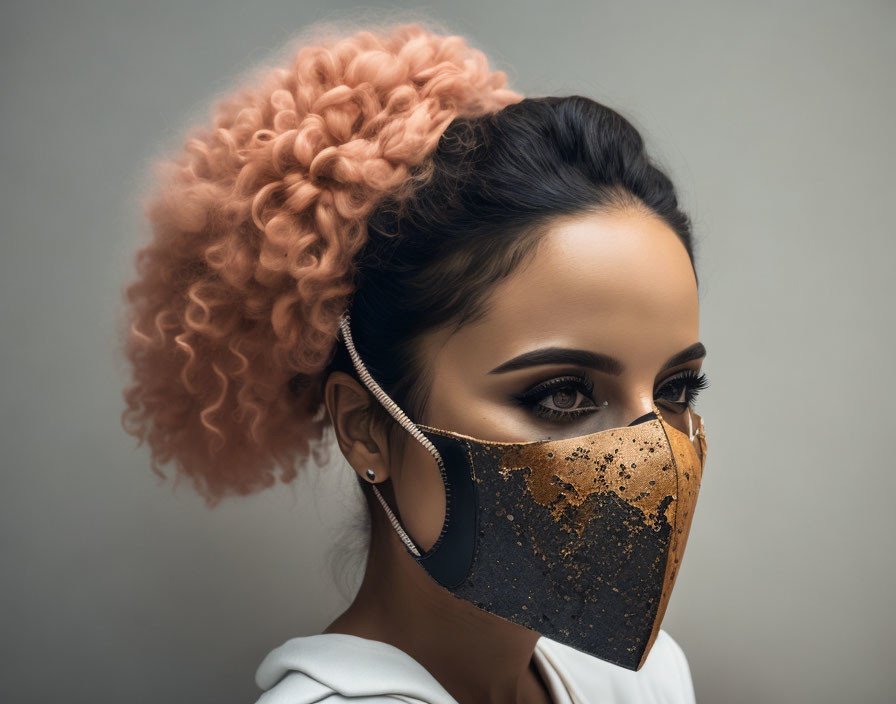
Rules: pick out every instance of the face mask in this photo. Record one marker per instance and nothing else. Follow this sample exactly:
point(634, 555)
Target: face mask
point(578, 539)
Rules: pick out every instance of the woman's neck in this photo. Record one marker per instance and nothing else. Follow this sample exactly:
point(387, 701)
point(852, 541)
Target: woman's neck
point(476, 656)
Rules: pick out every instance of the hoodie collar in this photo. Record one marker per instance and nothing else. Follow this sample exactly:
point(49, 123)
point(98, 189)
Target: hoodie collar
point(353, 667)
point(356, 667)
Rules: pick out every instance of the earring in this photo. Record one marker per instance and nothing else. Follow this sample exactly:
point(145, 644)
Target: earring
point(371, 475)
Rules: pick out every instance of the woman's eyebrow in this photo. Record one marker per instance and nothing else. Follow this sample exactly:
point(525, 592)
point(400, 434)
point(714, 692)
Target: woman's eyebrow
point(695, 351)
point(585, 358)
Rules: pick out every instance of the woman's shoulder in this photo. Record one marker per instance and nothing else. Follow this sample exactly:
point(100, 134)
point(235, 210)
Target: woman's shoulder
point(665, 677)
point(337, 667)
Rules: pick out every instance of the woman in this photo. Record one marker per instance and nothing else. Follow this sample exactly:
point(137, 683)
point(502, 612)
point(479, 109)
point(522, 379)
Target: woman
point(492, 303)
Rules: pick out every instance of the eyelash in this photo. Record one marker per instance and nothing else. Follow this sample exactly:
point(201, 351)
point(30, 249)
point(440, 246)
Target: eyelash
point(692, 381)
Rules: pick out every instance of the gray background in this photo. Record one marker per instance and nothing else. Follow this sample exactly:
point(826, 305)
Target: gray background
point(776, 122)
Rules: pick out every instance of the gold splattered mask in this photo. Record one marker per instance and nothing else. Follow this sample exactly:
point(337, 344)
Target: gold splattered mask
point(579, 539)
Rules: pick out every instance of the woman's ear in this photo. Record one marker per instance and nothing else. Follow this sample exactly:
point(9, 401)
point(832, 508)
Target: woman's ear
point(362, 440)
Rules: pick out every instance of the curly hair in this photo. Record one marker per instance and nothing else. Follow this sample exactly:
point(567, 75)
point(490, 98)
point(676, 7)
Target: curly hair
point(255, 224)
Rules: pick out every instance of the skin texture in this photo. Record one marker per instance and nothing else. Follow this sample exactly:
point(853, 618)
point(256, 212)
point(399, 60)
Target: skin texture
point(618, 283)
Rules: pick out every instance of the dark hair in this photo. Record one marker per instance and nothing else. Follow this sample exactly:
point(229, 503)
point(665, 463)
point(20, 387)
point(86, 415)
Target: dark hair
point(496, 183)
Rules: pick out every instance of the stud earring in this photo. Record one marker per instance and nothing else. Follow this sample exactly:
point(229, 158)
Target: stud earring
point(371, 475)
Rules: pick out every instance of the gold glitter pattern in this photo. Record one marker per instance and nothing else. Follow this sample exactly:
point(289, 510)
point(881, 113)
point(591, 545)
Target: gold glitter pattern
point(563, 477)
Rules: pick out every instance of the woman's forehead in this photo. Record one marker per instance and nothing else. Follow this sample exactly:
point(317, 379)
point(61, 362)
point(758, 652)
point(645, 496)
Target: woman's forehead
point(620, 283)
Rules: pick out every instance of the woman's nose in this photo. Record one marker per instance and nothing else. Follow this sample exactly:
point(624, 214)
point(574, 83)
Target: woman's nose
point(638, 408)
point(650, 415)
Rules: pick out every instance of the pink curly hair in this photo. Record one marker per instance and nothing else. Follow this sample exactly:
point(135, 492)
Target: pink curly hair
point(254, 228)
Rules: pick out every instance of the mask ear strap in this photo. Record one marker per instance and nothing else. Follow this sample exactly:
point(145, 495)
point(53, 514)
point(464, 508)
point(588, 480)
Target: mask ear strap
point(699, 431)
point(401, 417)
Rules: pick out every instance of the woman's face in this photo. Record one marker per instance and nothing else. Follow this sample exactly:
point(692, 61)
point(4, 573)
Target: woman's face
point(601, 322)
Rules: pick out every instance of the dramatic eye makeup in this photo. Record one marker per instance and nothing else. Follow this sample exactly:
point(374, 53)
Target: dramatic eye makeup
point(569, 397)
point(563, 398)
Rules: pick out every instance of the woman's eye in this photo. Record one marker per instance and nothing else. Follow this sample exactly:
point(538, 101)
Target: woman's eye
point(563, 398)
point(681, 391)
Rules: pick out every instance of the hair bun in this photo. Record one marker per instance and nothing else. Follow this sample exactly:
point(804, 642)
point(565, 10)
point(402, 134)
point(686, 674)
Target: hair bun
point(255, 223)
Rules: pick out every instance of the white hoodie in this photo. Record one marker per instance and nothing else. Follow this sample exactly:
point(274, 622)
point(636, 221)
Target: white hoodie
point(336, 667)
